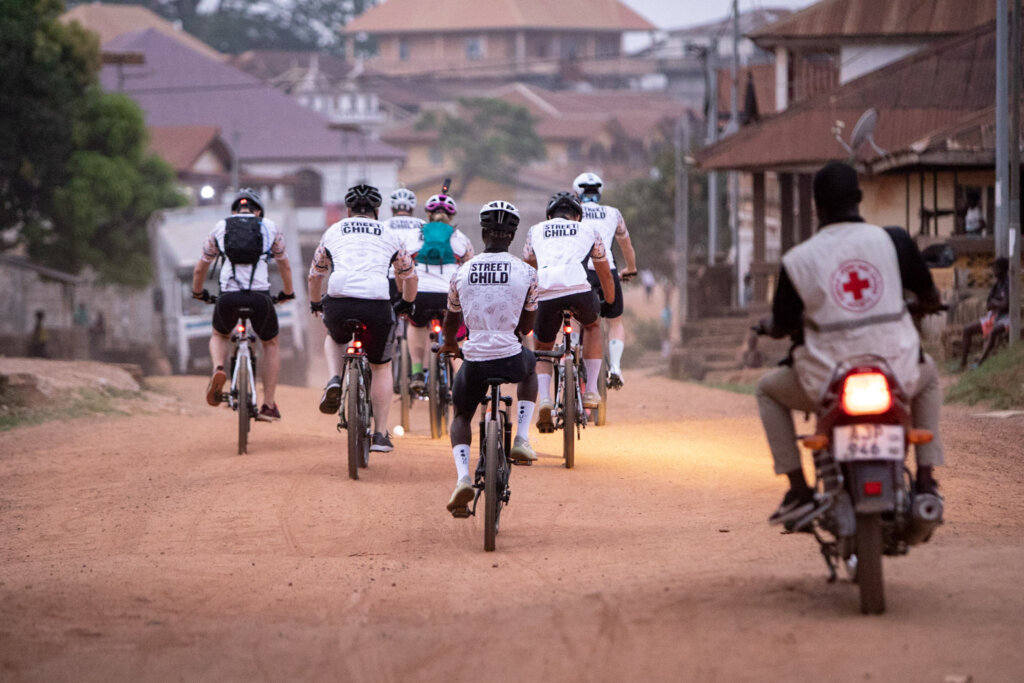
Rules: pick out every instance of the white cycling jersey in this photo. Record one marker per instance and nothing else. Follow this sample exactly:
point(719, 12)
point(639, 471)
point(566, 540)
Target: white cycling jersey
point(491, 290)
point(408, 229)
point(236, 278)
point(560, 246)
point(437, 278)
point(609, 223)
point(357, 252)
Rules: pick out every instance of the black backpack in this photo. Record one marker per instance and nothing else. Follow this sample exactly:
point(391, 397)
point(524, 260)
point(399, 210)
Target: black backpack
point(243, 242)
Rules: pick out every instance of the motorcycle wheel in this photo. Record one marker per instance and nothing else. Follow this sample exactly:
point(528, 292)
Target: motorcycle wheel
point(869, 563)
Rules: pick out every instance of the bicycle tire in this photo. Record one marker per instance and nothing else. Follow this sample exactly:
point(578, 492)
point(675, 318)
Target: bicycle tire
point(354, 422)
point(602, 390)
point(403, 382)
point(434, 397)
point(569, 414)
point(365, 415)
point(491, 485)
point(445, 396)
point(243, 409)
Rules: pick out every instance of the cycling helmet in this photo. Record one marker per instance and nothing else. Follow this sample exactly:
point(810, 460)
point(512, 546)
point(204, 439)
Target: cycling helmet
point(363, 198)
point(564, 200)
point(588, 187)
point(441, 202)
point(403, 199)
point(499, 215)
point(249, 197)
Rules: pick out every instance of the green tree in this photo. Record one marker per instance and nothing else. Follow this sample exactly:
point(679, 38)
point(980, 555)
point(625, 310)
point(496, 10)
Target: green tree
point(488, 138)
point(78, 187)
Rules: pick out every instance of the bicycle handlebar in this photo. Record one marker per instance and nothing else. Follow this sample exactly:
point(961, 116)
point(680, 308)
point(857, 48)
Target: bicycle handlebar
point(436, 348)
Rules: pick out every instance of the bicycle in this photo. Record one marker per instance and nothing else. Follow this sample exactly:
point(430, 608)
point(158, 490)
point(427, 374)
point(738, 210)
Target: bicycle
point(356, 410)
point(400, 369)
point(439, 383)
point(241, 397)
point(494, 467)
point(569, 377)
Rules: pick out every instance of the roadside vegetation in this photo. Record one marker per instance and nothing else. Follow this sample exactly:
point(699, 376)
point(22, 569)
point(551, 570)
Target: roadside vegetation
point(16, 412)
point(998, 383)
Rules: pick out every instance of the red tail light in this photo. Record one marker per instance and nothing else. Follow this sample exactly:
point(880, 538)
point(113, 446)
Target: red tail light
point(866, 393)
point(567, 329)
point(872, 488)
point(435, 325)
point(358, 344)
point(241, 329)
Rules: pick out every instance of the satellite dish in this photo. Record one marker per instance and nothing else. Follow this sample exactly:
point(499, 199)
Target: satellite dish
point(863, 131)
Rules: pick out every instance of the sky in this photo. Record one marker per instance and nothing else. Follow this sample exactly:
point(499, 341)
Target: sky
point(680, 13)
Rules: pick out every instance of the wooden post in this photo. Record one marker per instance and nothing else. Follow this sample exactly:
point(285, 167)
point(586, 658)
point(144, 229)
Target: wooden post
point(760, 282)
point(805, 210)
point(786, 210)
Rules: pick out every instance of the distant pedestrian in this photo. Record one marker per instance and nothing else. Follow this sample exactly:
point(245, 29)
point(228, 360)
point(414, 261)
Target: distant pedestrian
point(974, 219)
point(37, 342)
point(647, 278)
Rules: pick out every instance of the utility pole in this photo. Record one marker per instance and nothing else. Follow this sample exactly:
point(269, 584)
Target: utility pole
point(1002, 130)
point(682, 218)
point(711, 79)
point(1013, 247)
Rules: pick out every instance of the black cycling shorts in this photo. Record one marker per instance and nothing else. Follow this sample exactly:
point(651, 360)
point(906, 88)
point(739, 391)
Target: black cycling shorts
point(470, 386)
point(429, 305)
point(585, 307)
point(607, 310)
point(378, 317)
point(263, 318)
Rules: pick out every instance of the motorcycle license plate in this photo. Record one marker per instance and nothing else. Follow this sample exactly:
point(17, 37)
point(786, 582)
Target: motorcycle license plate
point(868, 442)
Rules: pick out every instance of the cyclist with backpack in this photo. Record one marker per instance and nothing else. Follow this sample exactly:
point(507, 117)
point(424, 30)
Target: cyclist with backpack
point(353, 256)
point(245, 240)
point(403, 203)
point(439, 249)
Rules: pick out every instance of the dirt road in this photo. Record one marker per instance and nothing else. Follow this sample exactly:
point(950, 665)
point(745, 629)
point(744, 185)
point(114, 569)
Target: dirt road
point(142, 548)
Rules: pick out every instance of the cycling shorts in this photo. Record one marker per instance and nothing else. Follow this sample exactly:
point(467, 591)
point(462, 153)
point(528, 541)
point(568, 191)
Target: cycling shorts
point(263, 319)
point(428, 306)
point(470, 386)
point(378, 317)
point(607, 310)
point(585, 307)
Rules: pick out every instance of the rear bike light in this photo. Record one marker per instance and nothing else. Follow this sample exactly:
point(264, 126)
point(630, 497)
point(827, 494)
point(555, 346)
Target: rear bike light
point(241, 329)
point(357, 344)
point(866, 393)
point(435, 325)
point(872, 488)
point(567, 329)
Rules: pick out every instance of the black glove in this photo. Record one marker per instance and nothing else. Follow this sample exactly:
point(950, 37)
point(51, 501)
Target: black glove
point(404, 307)
point(281, 296)
point(202, 296)
point(316, 307)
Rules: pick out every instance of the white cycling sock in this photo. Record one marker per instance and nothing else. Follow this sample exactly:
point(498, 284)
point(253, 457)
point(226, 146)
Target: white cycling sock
point(615, 347)
point(543, 387)
point(461, 454)
point(593, 370)
point(525, 409)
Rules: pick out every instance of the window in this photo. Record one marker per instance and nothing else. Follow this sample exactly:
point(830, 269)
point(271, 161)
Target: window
point(474, 49)
point(403, 49)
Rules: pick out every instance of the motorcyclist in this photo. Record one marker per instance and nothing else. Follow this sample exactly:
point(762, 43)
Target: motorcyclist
point(840, 294)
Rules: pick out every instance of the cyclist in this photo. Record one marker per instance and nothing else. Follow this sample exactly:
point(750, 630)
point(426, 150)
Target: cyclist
point(438, 249)
point(403, 203)
point(610, 224)
point(557, 248)
point(245, 239)
point(496, 293)
point(356, 252)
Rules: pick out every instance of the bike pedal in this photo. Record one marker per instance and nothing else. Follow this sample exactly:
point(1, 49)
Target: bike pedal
point(522, 462)
point(546, 429)
point(461, 513)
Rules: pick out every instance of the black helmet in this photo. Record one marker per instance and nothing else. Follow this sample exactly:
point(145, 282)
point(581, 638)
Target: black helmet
point(363, 198)
point(499, 215)
point(247, 196)
point(564, 200)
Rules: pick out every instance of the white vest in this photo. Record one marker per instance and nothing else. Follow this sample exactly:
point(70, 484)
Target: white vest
point(848, 278)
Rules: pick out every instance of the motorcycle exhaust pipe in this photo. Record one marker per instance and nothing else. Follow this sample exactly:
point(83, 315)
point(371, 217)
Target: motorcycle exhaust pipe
point(926, 516)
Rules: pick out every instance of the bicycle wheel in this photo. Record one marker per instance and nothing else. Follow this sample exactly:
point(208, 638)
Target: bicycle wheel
point(243, 408)
point(602, 389)
point(365, 416)
point(445, 395)
point(491, 485)
point(434, 397)
point(355, 422)
point(569, 413)
point(403, 382)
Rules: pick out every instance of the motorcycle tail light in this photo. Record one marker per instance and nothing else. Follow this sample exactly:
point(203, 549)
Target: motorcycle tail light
point(872, 488)
point(358, 344)
point(866, 393)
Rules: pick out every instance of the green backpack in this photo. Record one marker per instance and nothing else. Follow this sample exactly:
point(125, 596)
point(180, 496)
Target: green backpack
point(437, 245)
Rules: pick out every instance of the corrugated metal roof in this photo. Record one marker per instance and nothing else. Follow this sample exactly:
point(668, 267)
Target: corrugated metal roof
point(180, 87)
point(455, 16)
point(878, 18)
point(927, 91)
point(112, 21)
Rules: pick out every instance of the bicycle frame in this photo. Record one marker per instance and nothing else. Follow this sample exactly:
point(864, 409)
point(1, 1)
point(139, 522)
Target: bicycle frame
point(242, 356)
point(356, 377)
point(574, 355)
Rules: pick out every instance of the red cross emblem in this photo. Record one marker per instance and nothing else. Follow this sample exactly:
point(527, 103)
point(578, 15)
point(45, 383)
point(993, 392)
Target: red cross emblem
point(857, 285)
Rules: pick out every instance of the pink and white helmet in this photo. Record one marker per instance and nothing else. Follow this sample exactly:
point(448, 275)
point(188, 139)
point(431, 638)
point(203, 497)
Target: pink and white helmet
point(441, 202)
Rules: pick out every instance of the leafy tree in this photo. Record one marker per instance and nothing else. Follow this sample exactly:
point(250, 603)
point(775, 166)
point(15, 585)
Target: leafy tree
point(488, 138)
point(77, 188)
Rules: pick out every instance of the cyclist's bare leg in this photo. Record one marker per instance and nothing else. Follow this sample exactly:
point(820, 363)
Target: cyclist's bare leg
point(335, 355)
point(380, 395)
point(271, 369)
point(219, 344)
point(418, 338)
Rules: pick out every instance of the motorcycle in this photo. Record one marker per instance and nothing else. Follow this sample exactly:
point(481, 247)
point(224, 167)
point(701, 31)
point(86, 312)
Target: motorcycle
point(867, 504)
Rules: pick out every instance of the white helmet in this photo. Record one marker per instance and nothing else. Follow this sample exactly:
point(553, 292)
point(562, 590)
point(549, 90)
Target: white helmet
point(403, 199)
point(499, 215)
point(588, 187)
